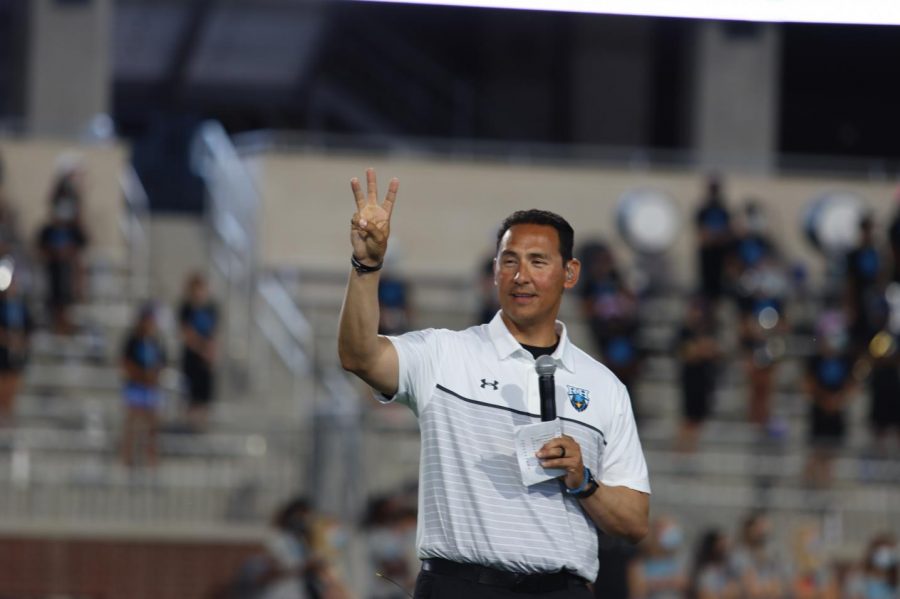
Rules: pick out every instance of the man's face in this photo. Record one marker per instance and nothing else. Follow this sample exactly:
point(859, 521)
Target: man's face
point(530, 275)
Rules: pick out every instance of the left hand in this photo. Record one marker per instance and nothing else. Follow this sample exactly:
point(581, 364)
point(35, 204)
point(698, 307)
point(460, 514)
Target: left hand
point(564, 452)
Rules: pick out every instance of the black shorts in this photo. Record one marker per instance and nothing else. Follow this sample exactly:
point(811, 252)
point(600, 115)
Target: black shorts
point(61, 284)
point(696, 395)
point(199, 377)
point(12, 361)
point(884, 387)
point(827, 429)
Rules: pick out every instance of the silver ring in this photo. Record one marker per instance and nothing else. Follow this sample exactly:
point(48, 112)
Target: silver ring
point(563, 453)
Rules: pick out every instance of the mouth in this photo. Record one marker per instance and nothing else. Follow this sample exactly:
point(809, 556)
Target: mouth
point(522, 298)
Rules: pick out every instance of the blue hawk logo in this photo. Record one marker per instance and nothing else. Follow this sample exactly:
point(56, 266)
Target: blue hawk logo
point(580, 398)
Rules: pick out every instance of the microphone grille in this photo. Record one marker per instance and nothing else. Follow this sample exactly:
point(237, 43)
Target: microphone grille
point(545, 366)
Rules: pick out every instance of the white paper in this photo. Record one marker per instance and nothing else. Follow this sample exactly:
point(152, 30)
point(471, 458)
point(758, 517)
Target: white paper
point(529, 439)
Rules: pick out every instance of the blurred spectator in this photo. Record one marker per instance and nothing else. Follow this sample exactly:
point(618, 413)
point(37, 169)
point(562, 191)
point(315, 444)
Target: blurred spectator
point(894, 240)
point(61, 244)
point(610, 308)
point(759, 572)
point(328, 543)
point(829, 383)
point(9, 230)
point(760, 286)
point(659, 572)
point(198, 317)
point(143, 359)
point(283, 572)
point(395, 307)
point(879, 578)
point(16, 325)
point(811, 577)
point(864, 267)
point(391, 530)
point(711, 576)
point(884, 378)
point(615, 555)
point(698, 352)
point(715, 237)
point(487, 294)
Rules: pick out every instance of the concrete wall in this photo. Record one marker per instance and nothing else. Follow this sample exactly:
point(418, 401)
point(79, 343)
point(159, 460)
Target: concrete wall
point(447, 212)
point(30, 167)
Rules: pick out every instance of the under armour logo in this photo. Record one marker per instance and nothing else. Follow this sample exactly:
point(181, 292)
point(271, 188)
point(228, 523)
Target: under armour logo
point(486, 383)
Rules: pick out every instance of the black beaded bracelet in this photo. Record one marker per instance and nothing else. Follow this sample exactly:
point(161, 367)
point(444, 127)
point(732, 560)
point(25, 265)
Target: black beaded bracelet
point(363, 268)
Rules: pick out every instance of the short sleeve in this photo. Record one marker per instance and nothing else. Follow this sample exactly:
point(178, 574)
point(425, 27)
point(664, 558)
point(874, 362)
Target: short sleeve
point(623, 459)
point(417, 354)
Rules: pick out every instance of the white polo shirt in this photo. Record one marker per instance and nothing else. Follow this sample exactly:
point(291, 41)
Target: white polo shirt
point(470, 389)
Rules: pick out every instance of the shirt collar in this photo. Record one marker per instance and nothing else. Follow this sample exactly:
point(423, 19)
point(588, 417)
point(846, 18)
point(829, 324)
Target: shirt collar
point(507, 346)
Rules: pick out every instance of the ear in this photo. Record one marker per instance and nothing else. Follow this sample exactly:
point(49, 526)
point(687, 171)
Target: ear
point(495, 272)
point(573, 270)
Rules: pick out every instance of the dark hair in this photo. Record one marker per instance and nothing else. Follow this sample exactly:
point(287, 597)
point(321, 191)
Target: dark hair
point(297, 505)
point(542, 217)
point(706, 553)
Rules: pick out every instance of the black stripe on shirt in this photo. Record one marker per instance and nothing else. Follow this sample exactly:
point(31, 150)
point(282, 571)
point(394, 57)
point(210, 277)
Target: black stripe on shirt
point(520, 412)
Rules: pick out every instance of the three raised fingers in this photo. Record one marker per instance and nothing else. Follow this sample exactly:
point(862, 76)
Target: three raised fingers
point(371, 195)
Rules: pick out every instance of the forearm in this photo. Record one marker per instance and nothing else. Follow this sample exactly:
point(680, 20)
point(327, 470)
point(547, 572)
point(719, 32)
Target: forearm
point(358, 329)
point(619, 511)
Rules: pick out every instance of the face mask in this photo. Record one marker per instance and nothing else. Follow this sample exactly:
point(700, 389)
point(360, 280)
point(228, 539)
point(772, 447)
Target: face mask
point(671, 538)
point(884, 558)
point(337, 538)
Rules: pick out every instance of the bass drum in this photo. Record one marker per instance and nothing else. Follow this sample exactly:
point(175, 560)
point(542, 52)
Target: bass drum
point(831, 221)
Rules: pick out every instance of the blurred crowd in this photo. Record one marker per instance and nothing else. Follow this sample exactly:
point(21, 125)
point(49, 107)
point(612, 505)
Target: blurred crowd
point(41, 283)
point(309, 555)
point(752, 564)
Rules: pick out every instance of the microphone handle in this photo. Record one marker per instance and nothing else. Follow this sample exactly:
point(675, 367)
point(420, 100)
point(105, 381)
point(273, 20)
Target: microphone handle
point(547, 391)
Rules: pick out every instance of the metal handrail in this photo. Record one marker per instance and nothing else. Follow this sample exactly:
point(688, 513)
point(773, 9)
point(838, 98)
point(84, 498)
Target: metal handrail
point(134, 225)
point(232, 214)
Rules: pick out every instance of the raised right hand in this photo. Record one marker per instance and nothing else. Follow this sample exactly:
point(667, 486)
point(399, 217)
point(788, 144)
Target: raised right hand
point(370, 226)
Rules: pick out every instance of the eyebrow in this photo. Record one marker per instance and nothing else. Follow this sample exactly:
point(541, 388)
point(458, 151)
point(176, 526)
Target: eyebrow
point(511, 253)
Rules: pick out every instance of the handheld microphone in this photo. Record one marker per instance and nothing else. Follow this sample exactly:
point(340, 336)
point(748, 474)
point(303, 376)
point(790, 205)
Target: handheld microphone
point(546, 366)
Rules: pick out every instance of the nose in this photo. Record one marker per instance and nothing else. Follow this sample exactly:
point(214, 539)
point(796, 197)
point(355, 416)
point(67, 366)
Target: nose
point(521, 275)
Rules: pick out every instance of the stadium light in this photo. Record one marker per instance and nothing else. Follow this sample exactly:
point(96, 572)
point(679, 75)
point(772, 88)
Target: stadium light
point(859, 12)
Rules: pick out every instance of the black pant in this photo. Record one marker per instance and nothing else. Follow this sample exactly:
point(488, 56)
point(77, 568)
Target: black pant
point(438, 586)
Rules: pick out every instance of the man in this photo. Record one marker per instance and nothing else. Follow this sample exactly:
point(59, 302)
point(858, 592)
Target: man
point(481, 531)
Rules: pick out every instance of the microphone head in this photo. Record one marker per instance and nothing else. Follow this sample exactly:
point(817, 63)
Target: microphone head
point(545, 366)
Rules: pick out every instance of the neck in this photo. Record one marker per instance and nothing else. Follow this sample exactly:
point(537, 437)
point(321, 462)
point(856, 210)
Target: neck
point(536, 335)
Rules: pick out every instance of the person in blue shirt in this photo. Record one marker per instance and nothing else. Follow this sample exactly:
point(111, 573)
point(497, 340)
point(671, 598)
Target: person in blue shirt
point(829, 383)
point(143, 360)
point(198, 319)
point(61, 243)
point(711, 576)
point(715, 235)
point(660, 572)
point(864, 271)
